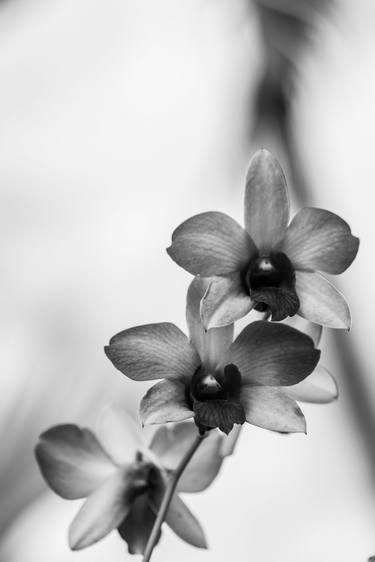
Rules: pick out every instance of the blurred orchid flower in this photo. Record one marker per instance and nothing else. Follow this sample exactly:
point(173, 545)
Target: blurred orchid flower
point(268, 266)
point(213, 379)
point(320, 387)
point(123, 481)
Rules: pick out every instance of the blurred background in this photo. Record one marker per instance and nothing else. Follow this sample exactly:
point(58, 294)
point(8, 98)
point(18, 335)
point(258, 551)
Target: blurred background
point(120, 119)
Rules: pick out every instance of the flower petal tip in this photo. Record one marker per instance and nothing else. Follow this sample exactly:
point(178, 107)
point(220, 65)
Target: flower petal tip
point(301, 425)
point(201, 542)
point(346, 324)
point(262, 153)
point(303, 429)
point(74, 542)
point(336, 394)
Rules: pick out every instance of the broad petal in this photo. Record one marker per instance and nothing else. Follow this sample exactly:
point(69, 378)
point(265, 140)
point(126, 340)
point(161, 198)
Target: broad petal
point(165, 402)
point(309, 328)
point(170, 443)
point(318, 388)
point(137, 526)
point(119, 432)
point(272, 354)
point(72, 461)
point(270, 408)
point(105, 508)
point(211, 244)
point(266, 201)
point(321, 302)
point(225, 301)
point(204, 466)
point(185, 524)
point(318, 239)
point(212, 343)
point(153, 351)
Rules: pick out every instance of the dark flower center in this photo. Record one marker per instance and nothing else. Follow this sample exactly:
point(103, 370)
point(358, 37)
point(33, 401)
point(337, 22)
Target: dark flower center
point(215, 398)
point(145, 500)
point(270, 281)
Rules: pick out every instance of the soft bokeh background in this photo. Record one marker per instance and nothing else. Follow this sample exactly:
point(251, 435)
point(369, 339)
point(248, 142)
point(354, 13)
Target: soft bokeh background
point(120, 119)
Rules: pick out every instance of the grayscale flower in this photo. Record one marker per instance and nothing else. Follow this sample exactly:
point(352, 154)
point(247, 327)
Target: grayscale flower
point(123, 480)
point(218, 381)
point(270, 265)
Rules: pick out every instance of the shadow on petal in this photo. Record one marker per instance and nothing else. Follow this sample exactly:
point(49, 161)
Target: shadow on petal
point(318, 388)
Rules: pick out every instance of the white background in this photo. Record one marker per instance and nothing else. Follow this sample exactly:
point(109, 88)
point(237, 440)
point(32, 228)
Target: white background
point(118, 120)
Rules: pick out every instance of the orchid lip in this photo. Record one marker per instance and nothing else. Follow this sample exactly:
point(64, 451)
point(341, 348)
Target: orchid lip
point(215, 398)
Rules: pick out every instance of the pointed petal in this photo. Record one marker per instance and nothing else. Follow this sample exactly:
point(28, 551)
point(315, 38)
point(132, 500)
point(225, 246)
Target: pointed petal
point(185, 524)
point(321, 302)
point(272, 354)
point(309, 328)
point(318, 388)
point(266, 201)
point(210, 344)
point(137, 526)
point(119, 432)
point(153, 351)
point(105, 508)
point(225, 301)
point(318, 239)
point(165, 402)
point(72, 461)
point(271, 408)
point(211, 244)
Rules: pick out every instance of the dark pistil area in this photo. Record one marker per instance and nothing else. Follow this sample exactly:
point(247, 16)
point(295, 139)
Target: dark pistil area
point(215, 398)
point(275, 270)
point(270, 281)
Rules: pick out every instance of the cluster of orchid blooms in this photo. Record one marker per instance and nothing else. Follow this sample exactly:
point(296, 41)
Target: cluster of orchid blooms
point(271, 266)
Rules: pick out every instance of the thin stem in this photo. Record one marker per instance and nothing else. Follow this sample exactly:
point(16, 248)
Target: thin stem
point(167, 498)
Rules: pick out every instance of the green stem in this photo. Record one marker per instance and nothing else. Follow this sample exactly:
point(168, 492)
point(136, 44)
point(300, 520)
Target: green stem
point(167, 498)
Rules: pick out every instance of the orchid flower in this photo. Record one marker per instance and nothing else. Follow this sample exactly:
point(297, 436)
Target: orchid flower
point(218, 381)
point(270, 265)
point(123, 480)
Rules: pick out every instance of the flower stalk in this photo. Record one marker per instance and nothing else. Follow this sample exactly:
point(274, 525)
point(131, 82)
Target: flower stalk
point(168, 495)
